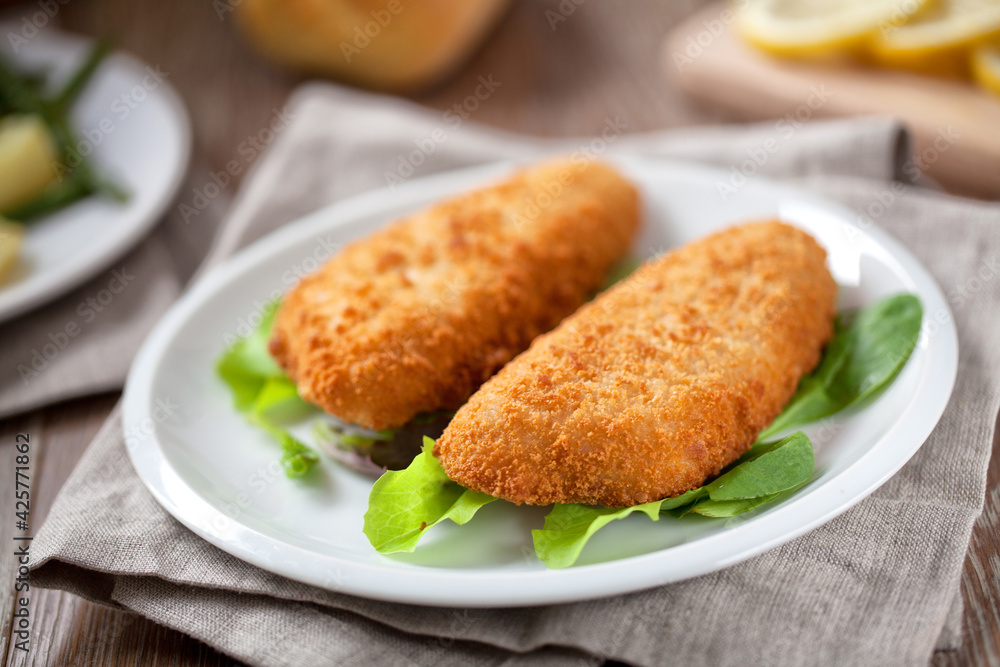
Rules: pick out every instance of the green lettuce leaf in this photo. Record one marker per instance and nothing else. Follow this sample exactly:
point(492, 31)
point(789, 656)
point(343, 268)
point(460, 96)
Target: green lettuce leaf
point(758, 477)
point(262, 392)
point(296, 458)
point(405, 503)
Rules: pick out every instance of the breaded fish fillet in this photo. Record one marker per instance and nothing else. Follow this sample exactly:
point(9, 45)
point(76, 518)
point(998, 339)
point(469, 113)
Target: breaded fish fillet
point(417, 316)
point(656, 385)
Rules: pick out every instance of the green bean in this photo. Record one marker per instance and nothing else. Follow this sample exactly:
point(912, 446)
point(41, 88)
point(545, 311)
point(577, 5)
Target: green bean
point(54, 197)
point(64, 100)
point(16, 95)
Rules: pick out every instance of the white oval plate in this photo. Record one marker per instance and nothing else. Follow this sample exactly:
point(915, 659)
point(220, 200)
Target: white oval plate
point(141, 137)
point(220, 477)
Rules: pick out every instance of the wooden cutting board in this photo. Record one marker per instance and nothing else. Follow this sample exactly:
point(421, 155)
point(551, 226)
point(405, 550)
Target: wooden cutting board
point(707, 59)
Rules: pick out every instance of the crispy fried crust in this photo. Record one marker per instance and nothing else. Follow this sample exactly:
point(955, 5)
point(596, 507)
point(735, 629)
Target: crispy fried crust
point(658, 384)
point(415, 317)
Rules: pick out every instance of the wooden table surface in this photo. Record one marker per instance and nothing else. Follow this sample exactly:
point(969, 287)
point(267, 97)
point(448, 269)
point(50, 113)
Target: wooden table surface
point(602, 61)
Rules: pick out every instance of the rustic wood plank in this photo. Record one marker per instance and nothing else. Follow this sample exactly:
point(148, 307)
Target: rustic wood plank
point(59, 436)
point(82, 633)
point(981, 581)
point(30, 424)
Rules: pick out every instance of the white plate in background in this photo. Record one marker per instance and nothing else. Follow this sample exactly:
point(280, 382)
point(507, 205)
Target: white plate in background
point(138, 131)
point(219, 476)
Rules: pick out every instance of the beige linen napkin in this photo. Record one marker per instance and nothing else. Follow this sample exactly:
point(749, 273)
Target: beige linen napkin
point(876, 586)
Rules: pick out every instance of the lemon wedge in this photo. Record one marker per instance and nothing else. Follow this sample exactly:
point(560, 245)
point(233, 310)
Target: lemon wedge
point(819, 28)
point(27, 159)
point(938, 41)
point(986, 67)
point(11, 237)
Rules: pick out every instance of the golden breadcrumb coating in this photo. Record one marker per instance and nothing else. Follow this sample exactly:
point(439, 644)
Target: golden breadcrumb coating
point(415, 317)
point(656, 385)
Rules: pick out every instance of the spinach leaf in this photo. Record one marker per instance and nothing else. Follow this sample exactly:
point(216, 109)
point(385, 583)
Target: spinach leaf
point(869, 349)
point(725, 509)
point(619, 271)
point(778, 469)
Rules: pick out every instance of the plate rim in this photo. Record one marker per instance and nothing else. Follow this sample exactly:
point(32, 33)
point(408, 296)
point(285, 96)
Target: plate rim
point(31, 297)
point(572, 584)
